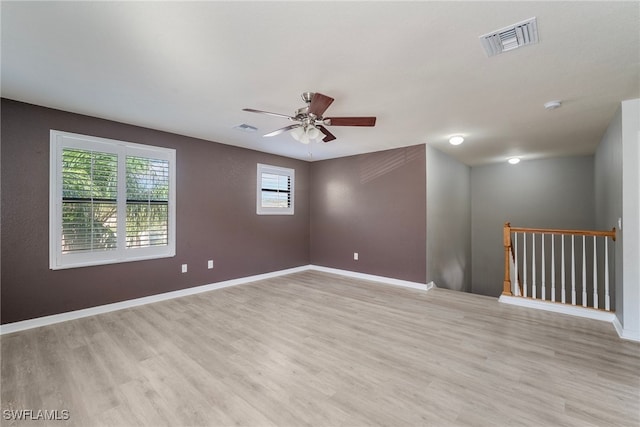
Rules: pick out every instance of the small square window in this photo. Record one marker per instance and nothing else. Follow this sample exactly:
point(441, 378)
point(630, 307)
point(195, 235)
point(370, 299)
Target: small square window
point(274, 190)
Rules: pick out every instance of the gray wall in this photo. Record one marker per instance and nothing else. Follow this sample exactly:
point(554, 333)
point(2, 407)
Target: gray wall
point(216, 218)
point(373, 204)
point(448, 222)
point(608, 196)
point(631, 218)
point(551, 193)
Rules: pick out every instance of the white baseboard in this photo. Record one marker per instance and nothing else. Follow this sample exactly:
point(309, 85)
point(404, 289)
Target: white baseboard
point(618, 326)
point(572, 310)
point(8, 328)
point(374, 278)
point(625, 333)
point(92, 311)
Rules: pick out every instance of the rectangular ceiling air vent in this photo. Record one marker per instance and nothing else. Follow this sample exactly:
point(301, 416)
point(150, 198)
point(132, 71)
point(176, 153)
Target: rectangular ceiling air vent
point(511, 37)
point(245, 128)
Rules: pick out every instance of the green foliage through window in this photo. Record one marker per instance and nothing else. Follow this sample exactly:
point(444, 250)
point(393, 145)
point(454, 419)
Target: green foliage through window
point(90, 202)
point(147, 201)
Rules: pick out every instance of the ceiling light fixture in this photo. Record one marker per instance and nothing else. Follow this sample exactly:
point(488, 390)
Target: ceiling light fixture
point(305, 134)
point(456, 140)
point(552, 105)
point(514, 160)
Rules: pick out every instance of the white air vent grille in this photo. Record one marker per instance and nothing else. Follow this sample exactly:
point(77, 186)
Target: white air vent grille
point(245, 128)
point(511, 37)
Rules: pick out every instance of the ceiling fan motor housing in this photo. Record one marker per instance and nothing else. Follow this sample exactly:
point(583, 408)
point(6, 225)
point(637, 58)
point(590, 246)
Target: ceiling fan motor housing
point(306, 96)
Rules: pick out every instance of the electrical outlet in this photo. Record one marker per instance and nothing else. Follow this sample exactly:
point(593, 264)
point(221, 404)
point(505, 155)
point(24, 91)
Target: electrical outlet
point(184, 268)
point(210, 264)
point(355, 256)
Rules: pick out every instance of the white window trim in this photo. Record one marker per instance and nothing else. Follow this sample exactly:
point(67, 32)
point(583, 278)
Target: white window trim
point(60, 140)
point(260, 210)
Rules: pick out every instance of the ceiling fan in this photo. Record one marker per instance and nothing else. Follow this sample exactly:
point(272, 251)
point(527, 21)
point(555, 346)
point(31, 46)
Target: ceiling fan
point(310, 122)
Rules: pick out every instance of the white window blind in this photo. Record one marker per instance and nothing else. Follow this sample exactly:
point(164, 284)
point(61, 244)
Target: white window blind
point(110, 201)
point(275, 190)
point(147, 202)
point(89, 201)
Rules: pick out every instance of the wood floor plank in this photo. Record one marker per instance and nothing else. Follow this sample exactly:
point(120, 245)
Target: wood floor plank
point(316, 349)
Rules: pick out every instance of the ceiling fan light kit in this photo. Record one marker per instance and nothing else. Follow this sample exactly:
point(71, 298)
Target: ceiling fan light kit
point(305, 134)
point(311, 125)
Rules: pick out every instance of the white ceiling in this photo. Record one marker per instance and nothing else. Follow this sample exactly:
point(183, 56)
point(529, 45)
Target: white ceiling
point(190, 68)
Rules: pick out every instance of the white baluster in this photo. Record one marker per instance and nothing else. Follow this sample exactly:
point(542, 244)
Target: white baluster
point(562, 278)
point(524, 264)
point(553, 269)
point(544, 288)
point(573, 270)
point(595, 274)
point(584, 272)
point(606, 274)
point(533, 266)
point(517, 285)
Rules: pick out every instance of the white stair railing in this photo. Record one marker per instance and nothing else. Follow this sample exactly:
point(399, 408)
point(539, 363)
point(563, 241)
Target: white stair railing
point(531, 262)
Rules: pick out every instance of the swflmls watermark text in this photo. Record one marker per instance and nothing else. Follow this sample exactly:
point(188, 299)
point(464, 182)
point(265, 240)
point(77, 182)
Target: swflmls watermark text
point(36, 414)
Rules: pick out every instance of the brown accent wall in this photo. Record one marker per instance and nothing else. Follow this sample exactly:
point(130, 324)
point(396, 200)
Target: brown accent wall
point(216, 218)
point(373, 204)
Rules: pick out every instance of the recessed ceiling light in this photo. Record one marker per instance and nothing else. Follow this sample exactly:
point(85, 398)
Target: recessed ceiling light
point(552, 105)
point(514, 160)
point(456, 140)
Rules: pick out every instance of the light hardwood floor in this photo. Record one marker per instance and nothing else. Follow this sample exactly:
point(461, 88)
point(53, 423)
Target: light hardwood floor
point(319, 349)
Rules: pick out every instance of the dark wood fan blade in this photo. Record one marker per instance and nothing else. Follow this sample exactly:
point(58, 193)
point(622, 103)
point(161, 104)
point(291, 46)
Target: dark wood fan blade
point(328, 135)
point(251, 110)
point(350, 121)
point(282, 130)
point(319, 104)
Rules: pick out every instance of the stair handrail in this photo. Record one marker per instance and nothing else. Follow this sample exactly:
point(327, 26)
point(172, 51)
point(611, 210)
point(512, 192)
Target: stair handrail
point(508, 229)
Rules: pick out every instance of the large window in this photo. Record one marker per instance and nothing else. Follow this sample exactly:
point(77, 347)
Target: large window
point(274, 190)
point(110, 201)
